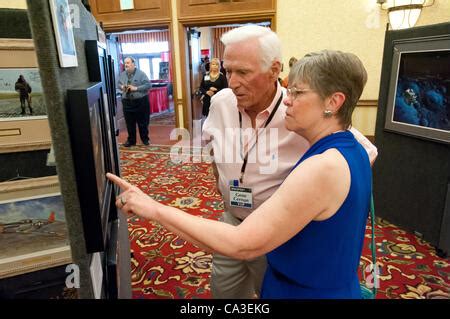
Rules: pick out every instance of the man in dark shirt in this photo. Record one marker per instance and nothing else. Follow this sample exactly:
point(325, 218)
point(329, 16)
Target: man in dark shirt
point(136, 108)
point(24, 90)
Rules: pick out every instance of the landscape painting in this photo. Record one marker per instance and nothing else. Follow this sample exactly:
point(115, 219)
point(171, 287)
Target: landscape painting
point(30, 225)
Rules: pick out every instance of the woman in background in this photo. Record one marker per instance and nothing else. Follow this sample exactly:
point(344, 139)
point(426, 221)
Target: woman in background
point(285, 81)
point(212, 82)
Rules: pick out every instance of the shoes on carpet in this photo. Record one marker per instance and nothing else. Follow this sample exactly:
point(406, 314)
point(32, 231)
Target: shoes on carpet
point(128, 144)
point(146, 142)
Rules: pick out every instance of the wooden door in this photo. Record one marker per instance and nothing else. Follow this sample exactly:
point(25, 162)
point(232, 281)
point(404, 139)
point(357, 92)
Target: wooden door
point(194, 70)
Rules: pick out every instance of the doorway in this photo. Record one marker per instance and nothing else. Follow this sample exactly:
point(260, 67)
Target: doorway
point(151, 51)
point(203, 44)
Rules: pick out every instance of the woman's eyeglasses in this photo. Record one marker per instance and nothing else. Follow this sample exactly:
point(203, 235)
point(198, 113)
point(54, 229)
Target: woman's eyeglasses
point(293, 92)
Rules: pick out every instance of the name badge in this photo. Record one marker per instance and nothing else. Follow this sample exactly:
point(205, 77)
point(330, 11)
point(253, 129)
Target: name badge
point(207, 78)
point(241, 197)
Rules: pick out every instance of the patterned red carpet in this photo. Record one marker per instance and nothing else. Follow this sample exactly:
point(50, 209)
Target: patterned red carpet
point(165, 266)
point(166, 118)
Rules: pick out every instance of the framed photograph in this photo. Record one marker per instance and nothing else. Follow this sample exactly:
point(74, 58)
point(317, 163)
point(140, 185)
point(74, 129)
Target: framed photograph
point(164, 70)
point(101, 69)
point(21, 93)
point(112, 84)
point(113, 112)
point(88, 121)
point(419, 89)
point(101, 36)
point(62, 25)
point(21, 128)
point(33, 229)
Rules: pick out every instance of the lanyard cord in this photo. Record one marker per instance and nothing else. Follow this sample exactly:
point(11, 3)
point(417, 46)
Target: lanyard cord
point(269, 119)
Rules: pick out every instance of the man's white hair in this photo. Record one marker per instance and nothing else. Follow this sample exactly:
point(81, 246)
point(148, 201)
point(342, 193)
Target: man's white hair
point(269, 43)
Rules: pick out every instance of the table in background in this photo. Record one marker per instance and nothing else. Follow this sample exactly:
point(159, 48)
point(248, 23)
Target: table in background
point(159, 99)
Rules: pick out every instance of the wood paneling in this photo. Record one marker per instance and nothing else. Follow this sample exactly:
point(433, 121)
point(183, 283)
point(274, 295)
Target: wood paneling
point(147, 4)
point(107, 6)
point(146, 13)
point(211, 9)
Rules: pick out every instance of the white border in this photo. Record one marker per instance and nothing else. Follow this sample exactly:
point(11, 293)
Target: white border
point(65, 60)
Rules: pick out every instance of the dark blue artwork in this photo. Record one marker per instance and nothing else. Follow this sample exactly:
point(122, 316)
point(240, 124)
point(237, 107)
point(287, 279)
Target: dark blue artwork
point(423, 86)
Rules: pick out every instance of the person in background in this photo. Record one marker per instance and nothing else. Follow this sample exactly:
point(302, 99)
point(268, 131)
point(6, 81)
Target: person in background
point(24, 89)
point(285, 81)
point(312, 227)
point(204, 66)
point(222, 69)
point(134, 85)
point(212, 82)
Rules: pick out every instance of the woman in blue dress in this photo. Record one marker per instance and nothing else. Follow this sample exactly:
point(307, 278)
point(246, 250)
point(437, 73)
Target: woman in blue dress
point(312, 228)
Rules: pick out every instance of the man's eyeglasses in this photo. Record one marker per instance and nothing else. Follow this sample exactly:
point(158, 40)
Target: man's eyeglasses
point(293, 92)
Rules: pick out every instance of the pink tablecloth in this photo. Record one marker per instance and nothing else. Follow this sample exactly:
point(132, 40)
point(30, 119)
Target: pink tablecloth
point(159, 99)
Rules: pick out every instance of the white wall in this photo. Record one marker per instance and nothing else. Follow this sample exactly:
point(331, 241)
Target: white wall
point(205, 39)
point(13, 4)
point(357, 26)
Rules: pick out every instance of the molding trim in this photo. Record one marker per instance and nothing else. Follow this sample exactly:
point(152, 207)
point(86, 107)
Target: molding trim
point(135, 24)
point(10, 132)
point(227, 18)
point(25, 147)
point(35, 261)
point(16, 44)
point(367, 103)
point(51, 182)
point(213, 10)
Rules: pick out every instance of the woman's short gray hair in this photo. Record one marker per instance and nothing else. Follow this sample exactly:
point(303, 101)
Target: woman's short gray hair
point(327, 72)
point(269, 43)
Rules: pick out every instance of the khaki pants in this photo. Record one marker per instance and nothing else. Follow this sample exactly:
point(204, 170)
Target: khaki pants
point(236, 279)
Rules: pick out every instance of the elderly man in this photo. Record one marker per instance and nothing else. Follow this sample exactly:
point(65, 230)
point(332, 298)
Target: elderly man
point(134, 85)
point(252, 103)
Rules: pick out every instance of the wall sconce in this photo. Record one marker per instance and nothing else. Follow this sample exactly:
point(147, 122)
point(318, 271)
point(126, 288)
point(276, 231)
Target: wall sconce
point(403, 14)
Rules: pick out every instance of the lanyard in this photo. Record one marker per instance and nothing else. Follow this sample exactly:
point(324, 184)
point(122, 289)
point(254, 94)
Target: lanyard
point(269, 119)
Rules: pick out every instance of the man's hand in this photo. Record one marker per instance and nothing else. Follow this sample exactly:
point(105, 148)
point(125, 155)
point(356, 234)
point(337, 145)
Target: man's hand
point(132, 88)
point(216, 175)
